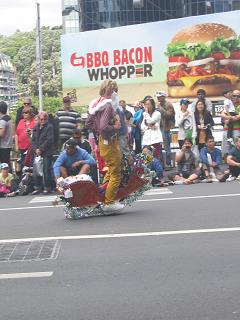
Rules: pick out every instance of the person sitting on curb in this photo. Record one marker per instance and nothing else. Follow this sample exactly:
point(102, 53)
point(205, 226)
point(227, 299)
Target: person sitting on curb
point(72, 161)
point(211, 162)
point(233, 160)
point(188, 169)
point(154, 164)
point(6, 181)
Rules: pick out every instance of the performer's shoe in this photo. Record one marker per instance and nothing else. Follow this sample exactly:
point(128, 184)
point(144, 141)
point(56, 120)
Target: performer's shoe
point(112, 208)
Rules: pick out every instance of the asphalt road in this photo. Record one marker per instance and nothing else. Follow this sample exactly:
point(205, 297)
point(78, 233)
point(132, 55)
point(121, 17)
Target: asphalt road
point(172, 256)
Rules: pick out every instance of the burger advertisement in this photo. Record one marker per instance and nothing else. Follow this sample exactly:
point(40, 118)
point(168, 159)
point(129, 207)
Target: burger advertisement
point(203, 56)
point(177, 56)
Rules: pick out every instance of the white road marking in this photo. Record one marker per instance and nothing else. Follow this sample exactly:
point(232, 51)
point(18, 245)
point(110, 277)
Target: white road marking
point(148, 193)
point(4, 276)
point(124, 235)
point(27, 208)
point(153, 192)
point(194, 197)
point(43, 199)
point(143, 200)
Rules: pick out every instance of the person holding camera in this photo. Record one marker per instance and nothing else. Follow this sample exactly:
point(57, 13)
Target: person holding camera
point(203, 122)
point(188, 169)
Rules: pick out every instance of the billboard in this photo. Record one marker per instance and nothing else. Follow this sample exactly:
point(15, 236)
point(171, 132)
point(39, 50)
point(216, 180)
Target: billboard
point(178, 56)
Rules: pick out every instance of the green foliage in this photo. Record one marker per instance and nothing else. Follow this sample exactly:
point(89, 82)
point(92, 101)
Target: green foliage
point(21, 47)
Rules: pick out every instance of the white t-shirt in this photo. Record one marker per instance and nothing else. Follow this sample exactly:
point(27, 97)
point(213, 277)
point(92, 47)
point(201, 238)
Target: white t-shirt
point(228, 105)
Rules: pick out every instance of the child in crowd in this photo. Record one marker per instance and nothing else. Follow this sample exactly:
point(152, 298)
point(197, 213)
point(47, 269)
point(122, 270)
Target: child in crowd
point(153, 164)
point(229, 110)
point(6, 180)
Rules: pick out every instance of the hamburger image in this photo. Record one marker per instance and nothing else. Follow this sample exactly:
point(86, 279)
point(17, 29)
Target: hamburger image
point(205, 56)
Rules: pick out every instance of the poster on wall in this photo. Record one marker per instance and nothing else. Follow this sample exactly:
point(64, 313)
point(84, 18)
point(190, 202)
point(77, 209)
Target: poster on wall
point(178, 56)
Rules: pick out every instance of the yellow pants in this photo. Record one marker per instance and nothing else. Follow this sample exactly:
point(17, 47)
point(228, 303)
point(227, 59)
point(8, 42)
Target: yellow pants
point(112, 158)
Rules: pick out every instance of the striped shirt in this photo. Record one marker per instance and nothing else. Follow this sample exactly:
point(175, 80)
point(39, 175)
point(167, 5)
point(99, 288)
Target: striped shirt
point(68, 120)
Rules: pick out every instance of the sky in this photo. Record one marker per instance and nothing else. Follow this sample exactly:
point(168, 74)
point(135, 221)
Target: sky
point(22, 15)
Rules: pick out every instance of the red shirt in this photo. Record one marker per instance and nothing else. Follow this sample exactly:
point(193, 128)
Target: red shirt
point(23, 142)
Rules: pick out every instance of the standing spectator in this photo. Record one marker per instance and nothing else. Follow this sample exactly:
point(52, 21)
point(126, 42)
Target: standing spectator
point(123, 130)
point(151, 127)
point(129, 120)
point(235, 121)
point(229, 110)
point(136, 126)
point(27, 102)
point(185, 122)
point(167, 122)
point(42, 145)
point(6, 133)
point(211, 160)
point(23, 132)
point(68, 120)
point(201, 95)
point(106, 123)
point(127, 113)
point(123, 133)
point(233, 160)
point(203, 122)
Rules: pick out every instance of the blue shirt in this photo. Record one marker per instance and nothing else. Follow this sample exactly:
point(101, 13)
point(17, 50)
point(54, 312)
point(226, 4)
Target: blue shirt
point(66, 160)
point(123, 130)
point(215, 155)
point(155, 165)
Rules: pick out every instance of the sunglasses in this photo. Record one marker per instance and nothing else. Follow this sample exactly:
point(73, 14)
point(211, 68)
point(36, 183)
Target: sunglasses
point(236, 95)
point(27, 103)
point(25, 112)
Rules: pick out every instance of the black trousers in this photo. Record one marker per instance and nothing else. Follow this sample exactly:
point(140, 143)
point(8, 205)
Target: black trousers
point(235, 171)
point(5, 156)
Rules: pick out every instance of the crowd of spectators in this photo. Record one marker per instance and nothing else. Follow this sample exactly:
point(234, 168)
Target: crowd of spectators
point(52, 146)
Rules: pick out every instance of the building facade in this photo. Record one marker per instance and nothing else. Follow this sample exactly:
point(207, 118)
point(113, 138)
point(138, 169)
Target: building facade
point(97, 14)
point(8, 81)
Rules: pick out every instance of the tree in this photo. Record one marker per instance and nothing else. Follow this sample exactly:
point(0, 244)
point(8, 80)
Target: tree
point(21, 48)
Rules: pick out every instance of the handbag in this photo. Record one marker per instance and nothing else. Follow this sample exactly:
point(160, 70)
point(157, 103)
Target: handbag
point(187, 127)
point(38, 166)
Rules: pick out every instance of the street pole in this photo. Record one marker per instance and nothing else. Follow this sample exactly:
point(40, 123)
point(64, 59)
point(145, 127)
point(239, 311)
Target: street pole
point(39, 58)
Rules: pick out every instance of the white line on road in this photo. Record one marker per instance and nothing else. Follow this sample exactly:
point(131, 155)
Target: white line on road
point(27, 208)
point(153, 192)
point(124, 235)
point(43, 199)
point(4, 276)
point(143, 200)
point(194, 197)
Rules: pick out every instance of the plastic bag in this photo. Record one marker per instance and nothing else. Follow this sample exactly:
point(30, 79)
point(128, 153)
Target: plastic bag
point(38, 166)
point(195, 151)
